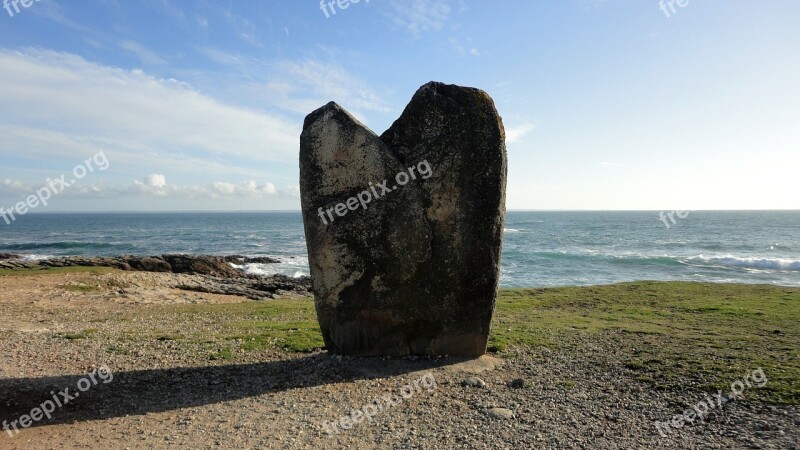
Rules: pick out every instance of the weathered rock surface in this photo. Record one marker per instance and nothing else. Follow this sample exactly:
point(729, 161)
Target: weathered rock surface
point(254, 287)
point(201, 264)
point(414, 270)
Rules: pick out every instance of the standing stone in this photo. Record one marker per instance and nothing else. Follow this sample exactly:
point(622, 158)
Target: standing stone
point(415, 269)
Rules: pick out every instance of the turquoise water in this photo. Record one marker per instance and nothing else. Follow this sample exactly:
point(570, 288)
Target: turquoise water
point(539, 248)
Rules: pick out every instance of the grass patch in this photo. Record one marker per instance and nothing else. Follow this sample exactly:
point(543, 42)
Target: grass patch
point(299, 337)
point(114, 350)
point(223, 354)
point(666, 333)
point(711, 334)
point(85, 334)
point(290, 325)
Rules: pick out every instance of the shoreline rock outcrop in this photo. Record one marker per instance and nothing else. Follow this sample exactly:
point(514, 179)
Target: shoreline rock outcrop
point(214, 274)
point(174, 263)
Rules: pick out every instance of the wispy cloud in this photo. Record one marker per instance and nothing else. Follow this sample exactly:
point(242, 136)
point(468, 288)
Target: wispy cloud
point(245, 29)
point(145, 55)
point(55, 12)
point(305, 85)
point(463, 49)
point(417, 16)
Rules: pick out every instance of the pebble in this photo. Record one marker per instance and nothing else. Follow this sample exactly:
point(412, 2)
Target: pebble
point(474, 382)
point(500, 413)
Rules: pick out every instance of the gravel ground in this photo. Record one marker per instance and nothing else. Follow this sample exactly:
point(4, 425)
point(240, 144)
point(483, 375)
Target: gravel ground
point(169, 394)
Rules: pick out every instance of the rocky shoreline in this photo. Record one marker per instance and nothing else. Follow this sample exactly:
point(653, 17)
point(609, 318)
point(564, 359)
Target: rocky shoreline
point(213, 274)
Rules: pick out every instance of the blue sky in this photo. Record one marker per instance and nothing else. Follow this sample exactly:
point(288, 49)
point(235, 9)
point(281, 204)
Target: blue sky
point(198, 105)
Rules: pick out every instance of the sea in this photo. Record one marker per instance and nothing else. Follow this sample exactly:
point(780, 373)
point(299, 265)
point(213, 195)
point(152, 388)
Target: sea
point(540, 248)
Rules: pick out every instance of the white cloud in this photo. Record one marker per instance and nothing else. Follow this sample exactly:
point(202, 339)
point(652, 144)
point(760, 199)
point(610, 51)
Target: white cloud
point(224, 188)
point(155, 180)
point(14, 187)
point(514, 134)
point(49, 98)
point(155, 185)
point(152, 184)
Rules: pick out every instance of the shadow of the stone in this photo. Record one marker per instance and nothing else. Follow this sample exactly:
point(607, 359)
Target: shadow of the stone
point(150, 391)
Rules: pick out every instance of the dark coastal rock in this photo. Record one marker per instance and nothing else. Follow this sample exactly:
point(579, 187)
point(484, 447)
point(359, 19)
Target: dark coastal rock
point(15, 262)
point(414, 271)
point(260, 260)
point(147, 263)
point(5, 256)
point(81, 261)
point(189, 264)
point(239, 259)
point(201, 265)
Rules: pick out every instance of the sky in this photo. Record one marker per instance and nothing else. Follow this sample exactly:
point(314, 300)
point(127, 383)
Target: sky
point(198, 105)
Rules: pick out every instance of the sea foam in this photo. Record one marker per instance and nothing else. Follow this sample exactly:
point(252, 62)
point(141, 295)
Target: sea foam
point(749, 263)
